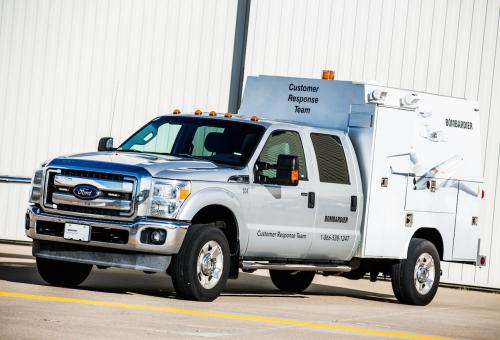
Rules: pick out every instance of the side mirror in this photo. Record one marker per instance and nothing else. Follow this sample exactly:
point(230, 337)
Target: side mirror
point(287, 170)
point(105, 144)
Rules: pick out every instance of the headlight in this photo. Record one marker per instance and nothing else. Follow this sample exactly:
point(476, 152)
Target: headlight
point(168, 196)
point(36, 184)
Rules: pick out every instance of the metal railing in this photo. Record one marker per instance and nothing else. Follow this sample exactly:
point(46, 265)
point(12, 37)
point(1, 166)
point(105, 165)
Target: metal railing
point(15, 179)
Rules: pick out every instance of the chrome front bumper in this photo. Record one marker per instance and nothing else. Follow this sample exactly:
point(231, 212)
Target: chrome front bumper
point(176, 231)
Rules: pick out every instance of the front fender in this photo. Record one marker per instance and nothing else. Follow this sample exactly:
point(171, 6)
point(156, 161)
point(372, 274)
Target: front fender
point(216, 196)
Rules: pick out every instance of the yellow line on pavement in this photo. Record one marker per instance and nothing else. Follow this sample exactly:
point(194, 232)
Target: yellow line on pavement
point(220, 315)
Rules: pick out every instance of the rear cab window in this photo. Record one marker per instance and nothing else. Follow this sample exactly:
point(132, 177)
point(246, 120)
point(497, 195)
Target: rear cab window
point(331, 158)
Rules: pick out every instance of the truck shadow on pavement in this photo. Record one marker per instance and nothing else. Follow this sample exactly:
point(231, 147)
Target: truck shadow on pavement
point(118, 281)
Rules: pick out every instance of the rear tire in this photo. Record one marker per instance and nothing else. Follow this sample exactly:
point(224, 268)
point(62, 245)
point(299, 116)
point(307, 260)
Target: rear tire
point(201, 268)
point(289, 281)
point(62, 273)
point(415, 280)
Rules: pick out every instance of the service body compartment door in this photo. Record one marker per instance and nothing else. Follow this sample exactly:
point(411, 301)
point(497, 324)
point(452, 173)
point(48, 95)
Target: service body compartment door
point(467, 224)
point(442, 199)
point(386, 178)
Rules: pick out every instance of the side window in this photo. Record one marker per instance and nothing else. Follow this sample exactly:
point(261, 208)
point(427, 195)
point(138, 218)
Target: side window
point(283, 143)
point(331, 159)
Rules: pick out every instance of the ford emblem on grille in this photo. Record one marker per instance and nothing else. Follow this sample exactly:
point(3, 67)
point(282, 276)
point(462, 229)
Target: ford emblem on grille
point(86, 192)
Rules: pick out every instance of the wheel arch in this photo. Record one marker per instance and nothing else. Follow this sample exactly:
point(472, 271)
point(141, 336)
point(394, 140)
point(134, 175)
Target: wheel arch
point(432, 235)
point(217, 204)
point(216, 213)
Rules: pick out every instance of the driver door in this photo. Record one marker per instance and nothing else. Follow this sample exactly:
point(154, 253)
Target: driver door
point(280, 221)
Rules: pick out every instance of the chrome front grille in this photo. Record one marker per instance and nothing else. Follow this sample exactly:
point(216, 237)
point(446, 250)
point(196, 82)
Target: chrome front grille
point(115, 193)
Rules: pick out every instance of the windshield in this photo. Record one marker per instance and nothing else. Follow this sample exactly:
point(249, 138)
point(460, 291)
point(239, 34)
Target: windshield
point(222, 141)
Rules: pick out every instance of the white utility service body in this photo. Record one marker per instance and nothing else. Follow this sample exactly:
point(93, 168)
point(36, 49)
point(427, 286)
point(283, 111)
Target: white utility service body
point(419, 157)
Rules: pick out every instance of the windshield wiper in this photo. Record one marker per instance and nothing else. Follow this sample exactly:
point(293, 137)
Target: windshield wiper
point(150, 152)
point(190, 156)
point(216, 161)
point(130, 150)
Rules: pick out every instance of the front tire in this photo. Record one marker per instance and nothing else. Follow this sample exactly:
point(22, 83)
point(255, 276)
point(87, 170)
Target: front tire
point(200, 270)
point(289, 281)
point(415, 280)
point(62, 273)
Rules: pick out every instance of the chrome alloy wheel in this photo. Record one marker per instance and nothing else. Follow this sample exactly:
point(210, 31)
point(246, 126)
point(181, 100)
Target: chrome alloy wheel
point(210, 264)
point(424, 274)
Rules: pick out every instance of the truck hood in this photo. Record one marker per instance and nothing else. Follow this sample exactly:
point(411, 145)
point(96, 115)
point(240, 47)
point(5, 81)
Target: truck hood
point(160, 166)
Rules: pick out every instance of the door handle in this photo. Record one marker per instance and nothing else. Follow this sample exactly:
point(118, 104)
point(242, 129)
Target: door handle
point(354, 203)
point(311, 200)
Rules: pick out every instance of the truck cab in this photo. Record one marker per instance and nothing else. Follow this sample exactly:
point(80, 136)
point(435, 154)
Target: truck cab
point(321, 204)
point(332, 188)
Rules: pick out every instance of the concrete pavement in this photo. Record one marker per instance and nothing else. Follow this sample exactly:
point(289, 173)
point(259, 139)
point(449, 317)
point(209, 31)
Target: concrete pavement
point(124, 304)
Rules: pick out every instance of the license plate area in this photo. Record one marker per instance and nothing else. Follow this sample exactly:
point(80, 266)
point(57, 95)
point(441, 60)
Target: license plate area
point(77, 232)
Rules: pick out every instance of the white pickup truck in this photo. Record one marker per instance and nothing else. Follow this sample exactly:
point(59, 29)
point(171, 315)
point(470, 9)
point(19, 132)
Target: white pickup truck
point(312, 176)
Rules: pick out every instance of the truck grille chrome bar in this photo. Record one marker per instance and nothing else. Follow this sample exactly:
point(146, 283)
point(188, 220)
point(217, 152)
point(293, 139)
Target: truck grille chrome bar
point(101, 184)
point(115, 193)
point(105, 203)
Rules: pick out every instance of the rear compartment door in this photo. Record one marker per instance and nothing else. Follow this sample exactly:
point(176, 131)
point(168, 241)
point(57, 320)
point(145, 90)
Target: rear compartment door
point(467, 224)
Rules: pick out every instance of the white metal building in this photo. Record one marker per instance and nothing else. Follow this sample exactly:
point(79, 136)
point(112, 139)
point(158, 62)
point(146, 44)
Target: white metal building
point(73, 71)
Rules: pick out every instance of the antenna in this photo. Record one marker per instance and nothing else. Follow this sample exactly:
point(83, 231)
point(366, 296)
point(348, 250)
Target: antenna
point(113, 109)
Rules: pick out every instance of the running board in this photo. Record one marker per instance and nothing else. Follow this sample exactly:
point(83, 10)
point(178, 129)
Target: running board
point(253, 265)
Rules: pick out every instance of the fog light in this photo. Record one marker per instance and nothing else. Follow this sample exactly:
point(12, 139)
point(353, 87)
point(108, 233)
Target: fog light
point(156, 236)
point(153, 236)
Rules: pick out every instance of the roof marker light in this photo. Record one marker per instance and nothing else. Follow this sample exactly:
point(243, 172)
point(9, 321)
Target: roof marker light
point(228, 115)
point(328, 75)
point(198, 112)
point(212, 114)
point(176, 112)
point(254, 119)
